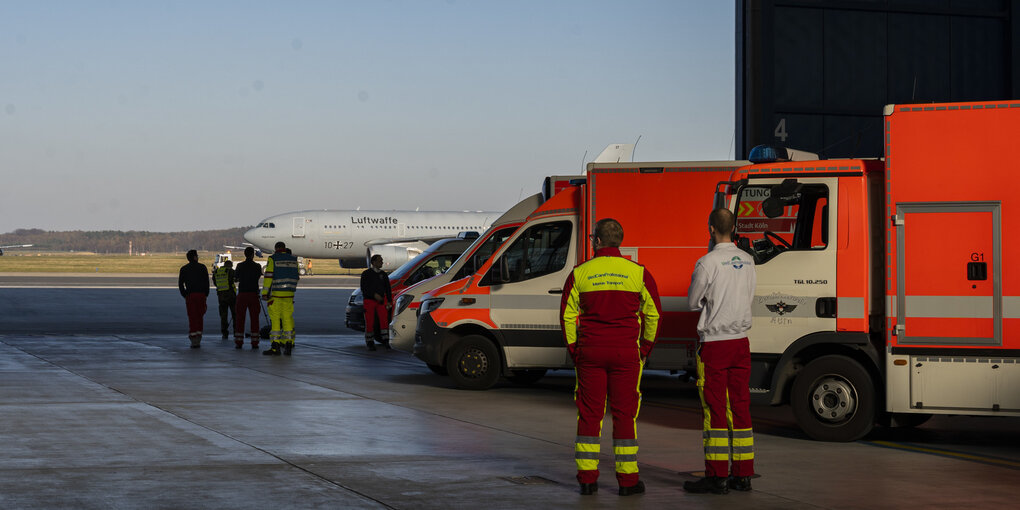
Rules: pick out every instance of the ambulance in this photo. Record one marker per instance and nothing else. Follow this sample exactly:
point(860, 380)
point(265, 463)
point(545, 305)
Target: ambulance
point(405, 315)
point(884, 294)
point(503, 320)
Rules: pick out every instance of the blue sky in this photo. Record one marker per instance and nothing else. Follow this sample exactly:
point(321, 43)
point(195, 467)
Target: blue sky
point(168, 116)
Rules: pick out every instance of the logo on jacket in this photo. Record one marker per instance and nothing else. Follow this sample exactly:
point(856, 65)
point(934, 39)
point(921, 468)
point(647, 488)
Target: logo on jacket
point(736, 262)
point(781, 308)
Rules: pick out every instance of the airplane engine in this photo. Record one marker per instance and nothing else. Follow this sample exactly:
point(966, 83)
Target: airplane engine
point(393, 256)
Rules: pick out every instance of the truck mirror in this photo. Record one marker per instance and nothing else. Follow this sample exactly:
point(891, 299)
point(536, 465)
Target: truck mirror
point(499, 272)
point(781, 195)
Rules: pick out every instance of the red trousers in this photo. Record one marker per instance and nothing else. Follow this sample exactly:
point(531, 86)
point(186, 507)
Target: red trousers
point(195, 303)
point(614, 373)
point(374, 311)
point(247, 301)
point(724, 375)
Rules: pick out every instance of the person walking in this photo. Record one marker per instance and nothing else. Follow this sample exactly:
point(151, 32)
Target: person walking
point(378, 301)
point(278, 287)
point(247, 276)
point(722, 288)
point(226, 294)
point(193, 282)
point(609, 315)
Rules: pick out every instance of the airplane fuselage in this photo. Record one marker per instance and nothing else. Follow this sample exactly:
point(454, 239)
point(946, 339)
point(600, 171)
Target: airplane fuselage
point(350, 235)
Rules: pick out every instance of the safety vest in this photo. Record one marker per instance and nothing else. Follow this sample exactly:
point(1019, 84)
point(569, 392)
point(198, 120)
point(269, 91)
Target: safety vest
point(281, 276)
point(222, 279)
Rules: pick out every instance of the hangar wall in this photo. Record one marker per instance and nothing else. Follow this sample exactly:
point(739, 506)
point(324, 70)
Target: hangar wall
point(815, 74)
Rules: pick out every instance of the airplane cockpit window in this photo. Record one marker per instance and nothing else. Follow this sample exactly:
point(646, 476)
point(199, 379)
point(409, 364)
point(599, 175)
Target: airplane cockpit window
point(791, 216)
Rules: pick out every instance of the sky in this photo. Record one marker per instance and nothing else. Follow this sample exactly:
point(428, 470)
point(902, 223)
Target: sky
point(196, 115)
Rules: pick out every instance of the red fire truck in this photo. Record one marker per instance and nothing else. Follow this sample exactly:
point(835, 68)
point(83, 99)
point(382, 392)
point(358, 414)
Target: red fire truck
point(883, 292)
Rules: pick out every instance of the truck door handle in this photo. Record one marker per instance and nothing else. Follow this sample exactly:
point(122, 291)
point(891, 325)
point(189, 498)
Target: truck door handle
point(826, 307)
point(556, 291)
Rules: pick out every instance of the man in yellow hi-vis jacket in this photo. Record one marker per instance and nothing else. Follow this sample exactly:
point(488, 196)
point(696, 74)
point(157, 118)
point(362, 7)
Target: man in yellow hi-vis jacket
point(610, 313)
point(278, 287)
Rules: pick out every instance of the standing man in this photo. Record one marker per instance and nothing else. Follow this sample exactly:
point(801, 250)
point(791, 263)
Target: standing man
point(378, 299)
point(223, 277)
point(247, 276)
point(609, 314)
point(193, 283)
point(278, 289)
point(722, 287)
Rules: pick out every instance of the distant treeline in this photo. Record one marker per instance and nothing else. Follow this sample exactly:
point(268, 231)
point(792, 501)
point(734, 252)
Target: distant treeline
point(116, 241)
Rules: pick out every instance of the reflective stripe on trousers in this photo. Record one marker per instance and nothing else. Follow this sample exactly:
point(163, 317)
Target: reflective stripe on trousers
point(724, 386)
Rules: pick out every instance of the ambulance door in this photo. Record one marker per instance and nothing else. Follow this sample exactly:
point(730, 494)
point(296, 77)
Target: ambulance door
point(787, 225)
point(948, 287)
point(525, 306)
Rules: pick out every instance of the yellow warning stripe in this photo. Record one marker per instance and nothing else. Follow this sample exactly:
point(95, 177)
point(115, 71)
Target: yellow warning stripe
point(1012, 464)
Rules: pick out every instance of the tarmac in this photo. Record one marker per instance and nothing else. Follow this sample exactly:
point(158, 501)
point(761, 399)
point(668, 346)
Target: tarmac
point(139, 420)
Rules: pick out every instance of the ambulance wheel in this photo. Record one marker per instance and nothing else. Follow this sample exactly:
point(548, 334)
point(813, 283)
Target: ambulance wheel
point(833, 399)
point(526, 377)
point(473, 363)
point(437, 369)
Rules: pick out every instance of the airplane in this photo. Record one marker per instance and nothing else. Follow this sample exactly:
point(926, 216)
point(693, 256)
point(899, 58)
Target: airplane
point(354, 236)
point(13, 246)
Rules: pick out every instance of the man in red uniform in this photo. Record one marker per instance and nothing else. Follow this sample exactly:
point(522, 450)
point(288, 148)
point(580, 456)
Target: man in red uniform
point(193, 282)
point(609, 314)
point(722, 287)
point(378, 299)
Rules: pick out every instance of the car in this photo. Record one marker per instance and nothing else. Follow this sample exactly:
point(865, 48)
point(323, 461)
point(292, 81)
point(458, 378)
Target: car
point(432, 262)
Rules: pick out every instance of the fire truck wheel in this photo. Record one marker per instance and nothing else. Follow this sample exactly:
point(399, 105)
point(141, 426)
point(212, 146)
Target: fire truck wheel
point(527, 377)
point(437, 369)
point(473, 363)
point(833, 399)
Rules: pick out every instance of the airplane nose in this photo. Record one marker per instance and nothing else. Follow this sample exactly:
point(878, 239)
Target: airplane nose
point(250, 236)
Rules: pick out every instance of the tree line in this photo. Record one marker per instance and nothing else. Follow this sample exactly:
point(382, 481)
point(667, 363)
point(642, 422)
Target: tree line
point(118, 241)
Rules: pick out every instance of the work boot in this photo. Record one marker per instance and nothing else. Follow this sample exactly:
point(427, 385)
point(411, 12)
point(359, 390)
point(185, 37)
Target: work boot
point(639, 488)
point(713, 484)
point(587, 489)
point(238, 344)
point(370, 344)
point(196, 340)
point(255, 345)
point(739, 483)
point(287, 348)
point(274, 350)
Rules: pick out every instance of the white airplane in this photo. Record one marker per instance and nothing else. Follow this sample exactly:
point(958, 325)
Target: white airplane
point(13, 246)
point(353, 236)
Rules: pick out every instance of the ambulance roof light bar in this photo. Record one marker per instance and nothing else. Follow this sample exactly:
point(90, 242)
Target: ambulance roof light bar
point(768, 154)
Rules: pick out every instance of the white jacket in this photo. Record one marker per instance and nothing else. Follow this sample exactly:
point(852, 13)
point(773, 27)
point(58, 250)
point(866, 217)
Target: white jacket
point(722, 287)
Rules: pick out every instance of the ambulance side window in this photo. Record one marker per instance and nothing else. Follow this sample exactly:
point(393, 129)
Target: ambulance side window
point(795, 219)
point(482, 254)
point(541, 250)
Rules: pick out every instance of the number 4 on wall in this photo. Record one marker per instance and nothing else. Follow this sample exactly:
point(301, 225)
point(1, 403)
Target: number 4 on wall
point(780, 131)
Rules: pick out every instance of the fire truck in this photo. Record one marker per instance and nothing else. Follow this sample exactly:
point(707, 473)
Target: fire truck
point(883, 293)
point(503, 319)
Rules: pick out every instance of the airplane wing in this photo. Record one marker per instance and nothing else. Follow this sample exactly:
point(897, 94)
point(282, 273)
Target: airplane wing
point(258, 251)
point(2, 248)
point(397, 240)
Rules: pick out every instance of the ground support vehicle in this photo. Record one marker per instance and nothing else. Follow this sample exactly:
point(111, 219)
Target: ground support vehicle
point(434, 261)
point(503, 320)
point(405, 310)
point(883, 292)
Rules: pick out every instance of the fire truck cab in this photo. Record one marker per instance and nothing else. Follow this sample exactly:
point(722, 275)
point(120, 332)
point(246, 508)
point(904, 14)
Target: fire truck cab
point(882, 292)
